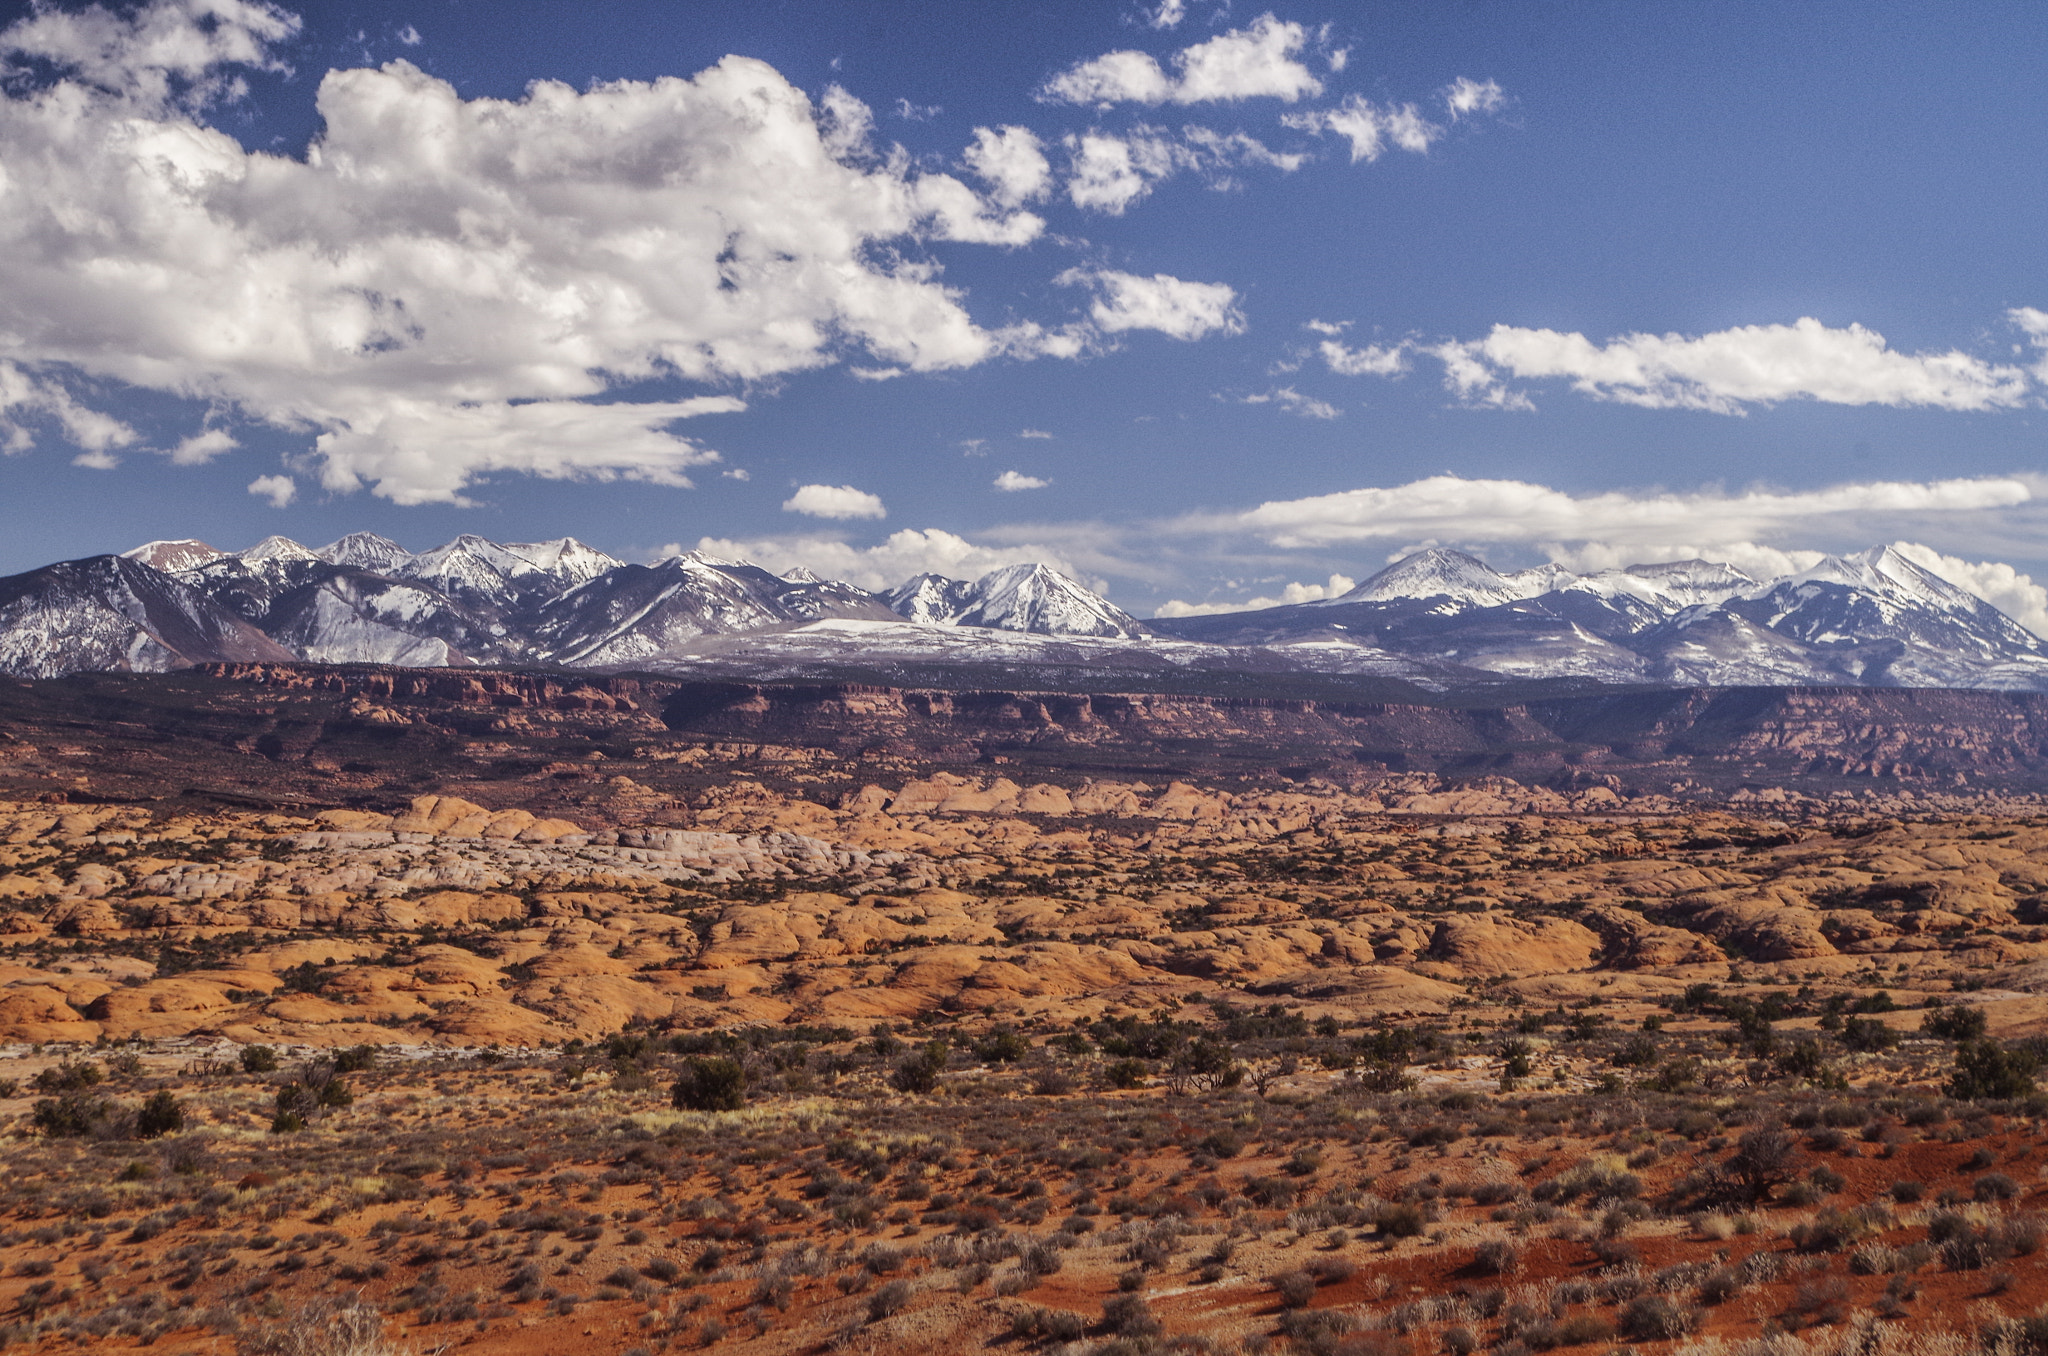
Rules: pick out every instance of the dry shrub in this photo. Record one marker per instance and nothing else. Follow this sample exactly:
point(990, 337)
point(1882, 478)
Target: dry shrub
point(323, 1328)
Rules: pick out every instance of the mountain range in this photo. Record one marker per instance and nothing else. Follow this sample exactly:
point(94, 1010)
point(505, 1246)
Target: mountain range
point(1439, 620)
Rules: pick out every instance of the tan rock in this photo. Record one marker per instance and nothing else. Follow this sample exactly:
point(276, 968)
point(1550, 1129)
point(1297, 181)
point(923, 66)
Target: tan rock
point(1043, 799)
point(436, 814)
point(354, 821)
point(36, 1013)
point(1490, 944)
point(1767, 929)
point(1000, 795)
point(163, 1007)
point(1633, 942)
point(924, 797)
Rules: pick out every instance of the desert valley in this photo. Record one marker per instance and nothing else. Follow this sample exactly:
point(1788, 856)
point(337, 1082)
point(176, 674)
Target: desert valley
point(514, 1012)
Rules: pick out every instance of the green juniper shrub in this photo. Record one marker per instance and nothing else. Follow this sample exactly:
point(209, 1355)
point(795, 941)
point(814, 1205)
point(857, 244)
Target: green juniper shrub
point(1988, 1071)
point(69, 1114)
point(711, 1083)
point(1954, 1023)
point(355, 1059)
point(1868, 1035)
point(1635, 1053)
point(919, 1072)
point(258, 1059)
point(1126, 1073)
point(1001, 1046)
point(161, 1115)
point(69, 1076)
point(1516, 1063)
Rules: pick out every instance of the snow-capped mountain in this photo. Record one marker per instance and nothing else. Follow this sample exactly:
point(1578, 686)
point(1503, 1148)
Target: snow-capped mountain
point(111, 613)
point(364, 551)
point(1031, 598)
point(565, 560)
point(1665, 588)
point(1453, 581)
point(633, 613)
point(1874, 618)
point(477, 571)
point(1879, 615)
point(1438, 619)
point(932, 599)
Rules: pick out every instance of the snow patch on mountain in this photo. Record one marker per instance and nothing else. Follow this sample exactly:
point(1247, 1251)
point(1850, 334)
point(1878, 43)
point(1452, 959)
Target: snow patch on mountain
point(1035, 599)
point(1461, 581)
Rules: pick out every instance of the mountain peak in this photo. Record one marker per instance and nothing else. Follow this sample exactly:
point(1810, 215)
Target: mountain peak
point(170, 556)
point(565, 559)
point(275, 549)
point(1439, 572)
point(364, 551)
point(1037, 598)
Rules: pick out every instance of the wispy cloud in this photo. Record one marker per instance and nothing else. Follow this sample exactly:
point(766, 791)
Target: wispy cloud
point(1370, 128)
point(1465, 97)
point(1260, 60)
point(1373, 360)
point(1294, 402)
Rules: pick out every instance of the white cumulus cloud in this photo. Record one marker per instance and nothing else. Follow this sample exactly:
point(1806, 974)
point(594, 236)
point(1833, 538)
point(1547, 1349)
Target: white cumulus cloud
point(1010, 481)
point(1011, 161)
point(1726, 370)
point(1257, 61)
point(1173, 306)
point(279, 490)
point(435, 262)
point(834, 501)
point(1107, 172)
point(166, 52)
point(419, 451)
point(203, 447)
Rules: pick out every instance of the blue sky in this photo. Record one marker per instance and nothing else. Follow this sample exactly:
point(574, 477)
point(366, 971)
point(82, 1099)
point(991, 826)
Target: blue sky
point(1750, 280)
